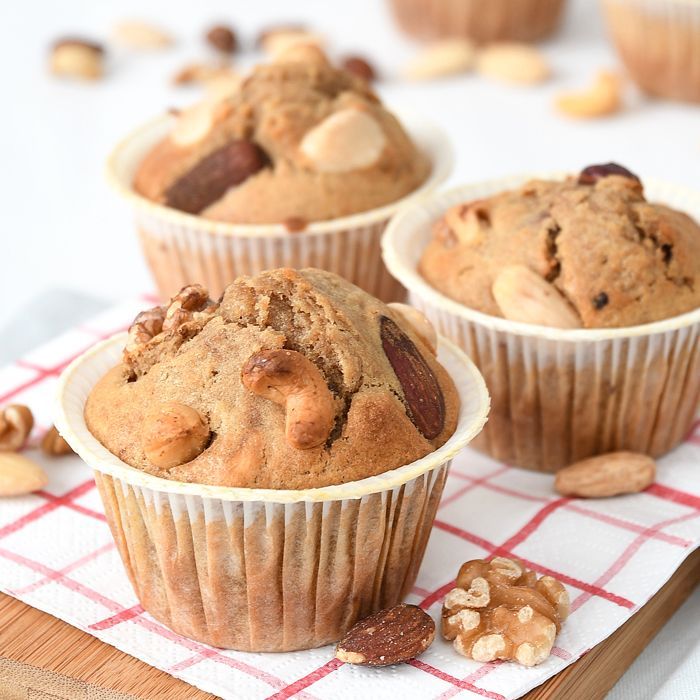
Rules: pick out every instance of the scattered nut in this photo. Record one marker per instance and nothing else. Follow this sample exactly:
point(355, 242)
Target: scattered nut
point(422, 392)
point(19, 475)
point(447, 57)
point(593, 173)
point(201, 73)
point(602, 98)
point(135, 34)
point(174, 434)
point(419, 322)
point(54, 445)
point(522, 295)
point(223, 39)
point(360, 67)
point(511, 62)
point(349, 139)
point(16, 422)
point(77, 58)
point(207, 181)
point(499, 610)
point(291, 380)
point(611, 474)
point(388, 637)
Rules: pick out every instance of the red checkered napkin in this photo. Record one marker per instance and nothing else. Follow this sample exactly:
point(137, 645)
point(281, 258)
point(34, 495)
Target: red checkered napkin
point(56, 553)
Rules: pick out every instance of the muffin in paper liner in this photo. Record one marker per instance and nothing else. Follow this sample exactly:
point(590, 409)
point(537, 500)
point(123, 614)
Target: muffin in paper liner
point(558, 395)
point(184, 248)
point(480, 20)
point(262, 569)
point(659, 43)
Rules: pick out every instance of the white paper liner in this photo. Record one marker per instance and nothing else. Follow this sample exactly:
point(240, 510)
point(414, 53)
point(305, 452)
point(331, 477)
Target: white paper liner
point(561, 395)
point(659, 43)
point(495, 20)
point(263, 569)
point(183, 249)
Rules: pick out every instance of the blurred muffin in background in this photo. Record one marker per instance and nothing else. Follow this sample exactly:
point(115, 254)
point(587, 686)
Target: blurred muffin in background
point(659, 43)
point(479, 20)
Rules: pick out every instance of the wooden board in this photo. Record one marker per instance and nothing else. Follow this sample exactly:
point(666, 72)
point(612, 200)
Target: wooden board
point(43, 658)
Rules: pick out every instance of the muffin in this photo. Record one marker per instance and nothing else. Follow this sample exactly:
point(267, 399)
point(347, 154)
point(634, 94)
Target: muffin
point(578, 299)
point(659, 43)
point(480, 20)
point(271, 464)
point(300, 165)
point(613, 258)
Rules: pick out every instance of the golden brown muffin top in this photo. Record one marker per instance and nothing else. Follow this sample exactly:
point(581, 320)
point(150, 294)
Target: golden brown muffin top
point(293, 380)
point(298, 139)
point(610, 258)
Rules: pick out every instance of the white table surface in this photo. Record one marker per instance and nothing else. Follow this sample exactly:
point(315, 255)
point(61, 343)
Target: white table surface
point(63, 229)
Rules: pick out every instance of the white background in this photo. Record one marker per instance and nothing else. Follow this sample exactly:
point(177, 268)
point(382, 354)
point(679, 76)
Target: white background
point(62, 228)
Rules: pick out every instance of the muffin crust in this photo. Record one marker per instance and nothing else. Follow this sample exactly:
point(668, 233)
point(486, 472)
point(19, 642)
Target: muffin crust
point(199, 364)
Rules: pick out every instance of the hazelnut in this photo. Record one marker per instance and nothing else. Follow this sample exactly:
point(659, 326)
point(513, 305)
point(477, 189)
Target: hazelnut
point(174, 434)
point(222, 38)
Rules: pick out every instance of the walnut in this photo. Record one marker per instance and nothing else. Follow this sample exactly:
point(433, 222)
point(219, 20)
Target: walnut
point(16, 422)
point(500, 610)
point(191, 303)
point(54, 445)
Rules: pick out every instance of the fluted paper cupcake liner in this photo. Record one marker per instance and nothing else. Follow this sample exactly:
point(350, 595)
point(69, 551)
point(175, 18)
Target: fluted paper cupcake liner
point(183, 249)
point(659, 43)
point(493, 20)
point(262, 569)
point(561, 395)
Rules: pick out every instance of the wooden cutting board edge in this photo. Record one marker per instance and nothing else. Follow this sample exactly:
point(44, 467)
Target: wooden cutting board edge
point(48, 658)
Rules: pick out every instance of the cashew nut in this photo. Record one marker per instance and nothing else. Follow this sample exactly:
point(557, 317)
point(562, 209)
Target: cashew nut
point(291, 380)
point(174, 434)
point(16, 422)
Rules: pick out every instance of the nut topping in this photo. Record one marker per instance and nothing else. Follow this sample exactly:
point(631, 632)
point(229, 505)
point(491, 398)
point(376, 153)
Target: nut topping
point(593, 173)
point(499, 610)
point(208, 181)
point(424, 398)
point(291, 380)
point(195, 123)
point(16, 422)
point(54, 445)
point(419, 322)
point(189, 304)
point(19, 475)
point(522, 295)
point(606, 475)
point(388, 637)
point(174, 434)
point(360, 67)
point(346, 140)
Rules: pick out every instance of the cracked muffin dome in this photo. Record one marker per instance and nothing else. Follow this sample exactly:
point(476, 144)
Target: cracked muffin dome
point(587, 252)
point(298, 139)
point(293, 380)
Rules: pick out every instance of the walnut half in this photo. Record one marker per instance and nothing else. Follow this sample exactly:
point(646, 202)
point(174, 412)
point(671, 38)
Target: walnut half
point(500, 610)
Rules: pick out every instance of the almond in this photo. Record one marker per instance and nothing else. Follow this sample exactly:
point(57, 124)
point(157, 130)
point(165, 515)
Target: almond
point(522, 295)
point(602, 98)
point(419, 322)
point(448, 57)
point(426, 403)
point(611, 474)
point(513, 63)
point(208, 181)
point(346, 140)
point(19, 475)
point(388, 637)
point(592, 173)
point(135, 34)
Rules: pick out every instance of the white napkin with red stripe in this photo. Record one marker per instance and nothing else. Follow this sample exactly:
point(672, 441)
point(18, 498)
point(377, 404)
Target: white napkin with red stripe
point(56, 554)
